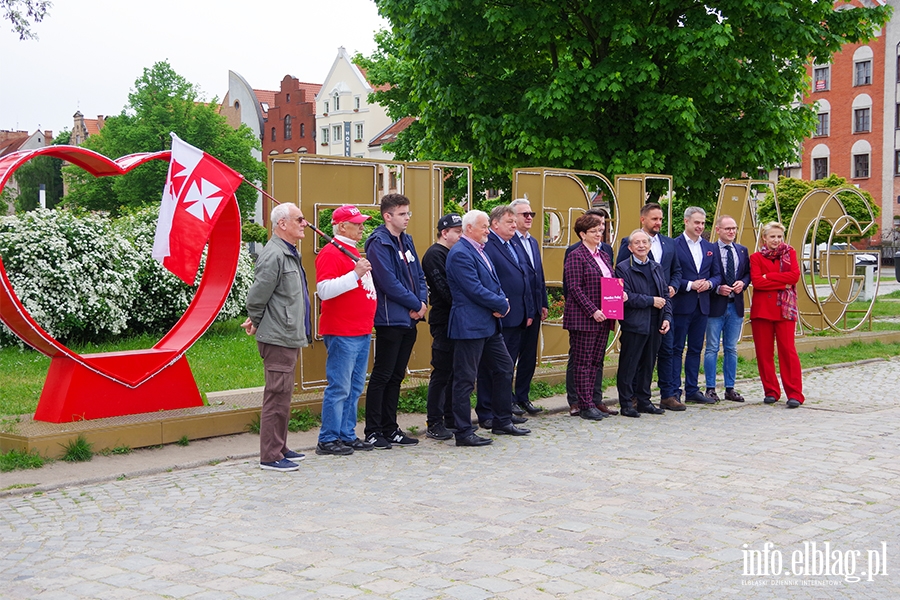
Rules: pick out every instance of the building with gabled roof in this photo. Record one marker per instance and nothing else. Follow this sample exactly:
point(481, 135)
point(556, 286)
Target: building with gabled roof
point(291, 118)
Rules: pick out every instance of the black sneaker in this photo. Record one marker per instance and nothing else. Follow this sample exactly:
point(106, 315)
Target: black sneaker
point(378, 441)
point(359, 445)
point(290, 454)
point(438, 432)
point(401, 439)
point(280, 465)
point(334, 447)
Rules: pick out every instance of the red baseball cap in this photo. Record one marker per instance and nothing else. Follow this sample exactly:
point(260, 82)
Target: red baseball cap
point(348, 213)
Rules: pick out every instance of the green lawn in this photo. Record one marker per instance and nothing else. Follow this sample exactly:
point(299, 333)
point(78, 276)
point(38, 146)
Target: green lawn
point(225, 358)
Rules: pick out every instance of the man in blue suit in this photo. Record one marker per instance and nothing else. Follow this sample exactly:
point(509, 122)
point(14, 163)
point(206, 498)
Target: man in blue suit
point(701, 272)
point(534, 268)
point(509, 262)
point(662, 252)
point(478, 304)
point(726, 310)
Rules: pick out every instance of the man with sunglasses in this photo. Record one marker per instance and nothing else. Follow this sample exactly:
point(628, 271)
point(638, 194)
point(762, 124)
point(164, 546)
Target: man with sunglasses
point(278, 315)
point(526, 361)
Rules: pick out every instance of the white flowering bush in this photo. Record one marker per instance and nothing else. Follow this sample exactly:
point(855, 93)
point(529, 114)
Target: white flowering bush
point(89, 278)
point(74, 275)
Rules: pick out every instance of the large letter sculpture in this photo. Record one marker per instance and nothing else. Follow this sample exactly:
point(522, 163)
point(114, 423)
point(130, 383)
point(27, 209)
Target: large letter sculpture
point(93, 386)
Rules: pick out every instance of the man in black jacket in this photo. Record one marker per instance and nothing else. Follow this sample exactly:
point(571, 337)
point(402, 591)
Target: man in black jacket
point(648, 316)
point(440, 389)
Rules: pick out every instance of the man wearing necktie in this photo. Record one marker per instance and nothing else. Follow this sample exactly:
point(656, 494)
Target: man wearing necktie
point(726, 310)
point(509, 260)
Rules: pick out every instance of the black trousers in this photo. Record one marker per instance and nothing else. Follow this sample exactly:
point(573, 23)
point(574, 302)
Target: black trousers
point(440, 384)
point(467, 356)
point(636, 359)
point(526, 361)
point(512, 339)
point(393, 346)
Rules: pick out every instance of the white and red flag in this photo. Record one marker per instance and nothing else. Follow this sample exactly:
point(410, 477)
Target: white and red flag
point(198, 187)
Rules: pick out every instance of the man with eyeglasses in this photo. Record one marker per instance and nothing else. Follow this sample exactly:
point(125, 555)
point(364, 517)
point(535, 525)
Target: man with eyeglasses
point(278, 315)
point(526, 361)
point(726, 310)
point(402, 294)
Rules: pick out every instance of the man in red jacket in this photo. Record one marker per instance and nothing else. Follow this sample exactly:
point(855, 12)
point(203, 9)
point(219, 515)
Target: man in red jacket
point(347, 315)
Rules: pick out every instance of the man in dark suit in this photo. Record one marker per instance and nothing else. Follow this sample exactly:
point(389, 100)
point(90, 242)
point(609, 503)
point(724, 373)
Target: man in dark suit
point(700, 274)
point(648, 315)
point(509, 262)
point(571, 395)
point(478, 304)
point(726, 310)
point(527, 359)
point(662, 252)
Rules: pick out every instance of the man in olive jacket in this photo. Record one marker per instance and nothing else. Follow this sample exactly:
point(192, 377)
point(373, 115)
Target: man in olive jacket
point(278, 309)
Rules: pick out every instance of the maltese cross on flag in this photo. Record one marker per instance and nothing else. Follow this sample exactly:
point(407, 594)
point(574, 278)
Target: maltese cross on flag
point(198, 187)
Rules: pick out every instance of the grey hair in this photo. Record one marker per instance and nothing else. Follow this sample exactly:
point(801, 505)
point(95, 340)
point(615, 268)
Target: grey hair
point(281, 211)
point(470, 217)
point(519, 201)
point(635, 232)
point(690, 211)
point(498, 212)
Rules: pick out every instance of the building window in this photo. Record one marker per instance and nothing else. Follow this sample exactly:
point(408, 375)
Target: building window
point(821, 79)
point(273, 134)
point(287, 98)
point(336, 132)
point(337, 103)
point(326, 107)
point(302, 129)
point(896, 163)
point(324, 135)
point(287, 127)
point(356, 102)
point(860, 165)
point(897, 116)
point(862, 120)
point(863, 73)
point(359, 131)
point(820, 168)
point(822, 125)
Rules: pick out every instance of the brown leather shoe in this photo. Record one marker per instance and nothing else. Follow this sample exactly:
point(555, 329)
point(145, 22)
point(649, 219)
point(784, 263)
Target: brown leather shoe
point(672, 403)
point(606, 410)
point(711, 394)
point(732, 395)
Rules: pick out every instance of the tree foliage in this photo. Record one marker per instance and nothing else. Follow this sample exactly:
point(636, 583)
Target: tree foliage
point(791, 191)
point(162, 101)
point(698, 90)
point(42, 169)
point(22, 14)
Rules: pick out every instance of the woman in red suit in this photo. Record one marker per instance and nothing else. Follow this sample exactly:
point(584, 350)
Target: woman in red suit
point(588, 327)
point(774, 273)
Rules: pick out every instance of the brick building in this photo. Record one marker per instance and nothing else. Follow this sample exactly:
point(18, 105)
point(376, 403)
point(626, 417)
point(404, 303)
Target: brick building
point(857, 98)
point(290, 122)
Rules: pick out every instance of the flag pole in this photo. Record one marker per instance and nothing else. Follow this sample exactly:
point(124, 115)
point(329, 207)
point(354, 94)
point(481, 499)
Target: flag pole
point(328, 239)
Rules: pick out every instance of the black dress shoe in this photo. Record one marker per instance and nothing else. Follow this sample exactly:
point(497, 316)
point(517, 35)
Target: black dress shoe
point(698, 398)
point(629, 412)
point(516, 420)
point(473, 440)
point(517, 410)
point(770, 399)
point(486, 424)
point(650, 409)
point(530, 408)
point(592, 414)
point(510, 430)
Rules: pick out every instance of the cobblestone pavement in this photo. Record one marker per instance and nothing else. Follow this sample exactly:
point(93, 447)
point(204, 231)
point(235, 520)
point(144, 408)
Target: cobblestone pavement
point(668, 506)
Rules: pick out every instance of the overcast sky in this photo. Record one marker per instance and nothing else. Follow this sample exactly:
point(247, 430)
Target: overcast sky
point(90, 52)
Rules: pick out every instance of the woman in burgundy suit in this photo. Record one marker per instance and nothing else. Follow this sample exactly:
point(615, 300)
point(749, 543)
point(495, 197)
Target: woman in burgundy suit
point(774, 273)
point(588, 327)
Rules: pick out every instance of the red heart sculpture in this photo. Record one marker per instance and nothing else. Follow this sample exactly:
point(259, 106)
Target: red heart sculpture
point(94, 386)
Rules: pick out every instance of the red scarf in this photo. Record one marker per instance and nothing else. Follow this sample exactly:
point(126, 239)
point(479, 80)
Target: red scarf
point(787, 297)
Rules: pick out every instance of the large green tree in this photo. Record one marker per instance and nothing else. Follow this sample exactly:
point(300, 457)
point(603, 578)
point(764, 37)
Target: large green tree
point(698, 90)
point(41, 170)
point(162, 101)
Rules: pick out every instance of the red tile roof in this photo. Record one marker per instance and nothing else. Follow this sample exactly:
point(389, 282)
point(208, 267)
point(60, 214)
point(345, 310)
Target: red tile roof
point(265, 98)
point(93, 126)
point(11, 145)
point(390, 134)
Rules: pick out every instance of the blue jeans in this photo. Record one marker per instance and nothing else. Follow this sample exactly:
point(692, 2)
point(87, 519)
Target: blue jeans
point(345, 370)
point(726, 328)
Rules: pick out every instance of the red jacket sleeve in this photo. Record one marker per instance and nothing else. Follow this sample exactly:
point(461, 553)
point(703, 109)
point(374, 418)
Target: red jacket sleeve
point(774, 279)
